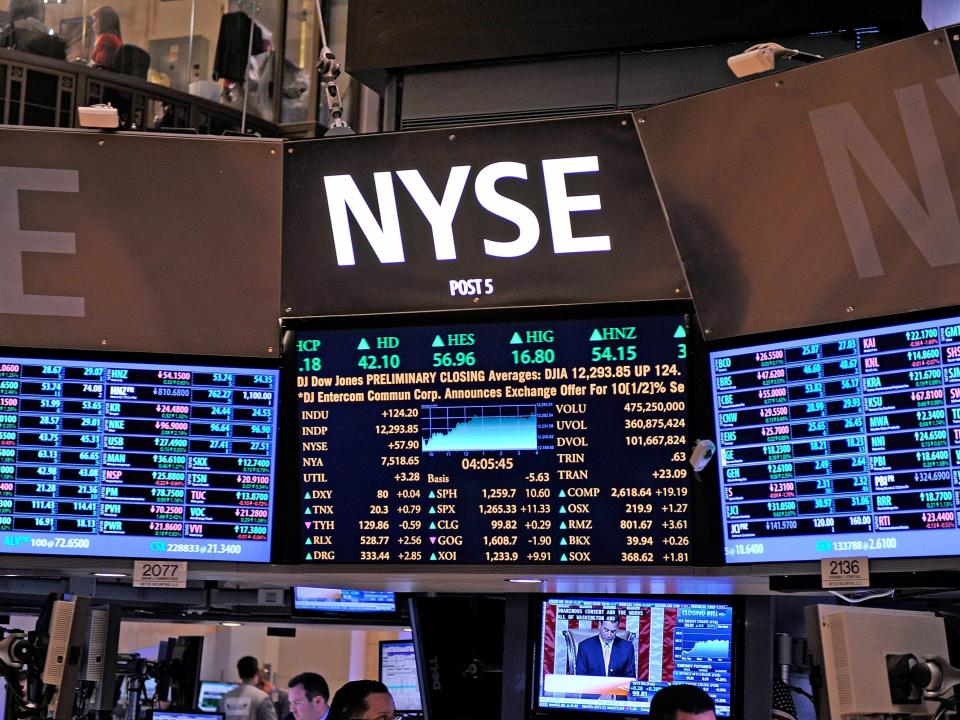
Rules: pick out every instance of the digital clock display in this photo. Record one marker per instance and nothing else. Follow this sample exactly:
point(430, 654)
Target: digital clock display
point(556, 441)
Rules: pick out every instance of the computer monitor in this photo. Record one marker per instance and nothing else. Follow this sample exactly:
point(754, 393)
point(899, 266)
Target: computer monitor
point(657, 642)
point(168, 715)
point(398, 671)
point(208, 699)
point(850, 647)
point(460, 646)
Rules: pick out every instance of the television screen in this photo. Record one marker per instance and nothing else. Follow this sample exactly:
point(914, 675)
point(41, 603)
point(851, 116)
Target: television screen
point(497, 442)
point(842, 444)
point(653, 642)
point(337, 600)
point(139, 460)
point(208, 698)
point(398, 671)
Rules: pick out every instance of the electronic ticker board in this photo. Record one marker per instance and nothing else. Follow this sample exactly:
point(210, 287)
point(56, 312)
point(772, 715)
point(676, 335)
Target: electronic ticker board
point(845, 444)
point(136, 460)
point(553, 441)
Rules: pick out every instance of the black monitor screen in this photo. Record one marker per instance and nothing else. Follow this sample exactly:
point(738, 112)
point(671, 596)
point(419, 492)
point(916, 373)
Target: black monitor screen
point(654, 642)
point(498, 442)
point(136, 460)
point(342, 600)
point(839, 445)
point(398, 671)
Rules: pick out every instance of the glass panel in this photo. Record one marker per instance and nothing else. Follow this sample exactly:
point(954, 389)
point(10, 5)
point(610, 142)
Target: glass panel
point(298, 99)
point(195, 46)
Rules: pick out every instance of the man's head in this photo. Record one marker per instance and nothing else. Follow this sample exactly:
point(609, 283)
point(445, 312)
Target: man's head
point(363, 700)
point(308, 696)
point(248, 668)
point(682, 702)
point(608, 627)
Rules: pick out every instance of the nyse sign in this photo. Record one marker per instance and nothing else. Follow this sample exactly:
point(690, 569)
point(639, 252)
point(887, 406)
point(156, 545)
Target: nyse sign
point(535, 213)
point(386, 238)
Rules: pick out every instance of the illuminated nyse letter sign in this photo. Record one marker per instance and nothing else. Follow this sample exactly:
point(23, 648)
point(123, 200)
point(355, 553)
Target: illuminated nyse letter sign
point(384, 235)
point(842, 134)
point(14, 242)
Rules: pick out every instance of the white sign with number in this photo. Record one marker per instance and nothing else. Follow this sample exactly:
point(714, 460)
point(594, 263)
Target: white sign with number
point(160, 573)
point(836, 573)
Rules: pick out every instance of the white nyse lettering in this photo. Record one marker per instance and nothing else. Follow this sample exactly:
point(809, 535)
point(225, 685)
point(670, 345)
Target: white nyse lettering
point(342, 193)
point(520, 215)
point(842, 134)
point(14, 242)
point(439, 214)
point(561, 205)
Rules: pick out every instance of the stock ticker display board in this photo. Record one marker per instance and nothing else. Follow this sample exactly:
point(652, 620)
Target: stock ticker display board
point(532, 442)
point(845, 444)
point(136, 460)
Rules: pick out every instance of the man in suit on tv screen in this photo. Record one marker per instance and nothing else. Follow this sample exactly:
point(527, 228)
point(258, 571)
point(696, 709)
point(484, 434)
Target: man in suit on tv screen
point(605, 654)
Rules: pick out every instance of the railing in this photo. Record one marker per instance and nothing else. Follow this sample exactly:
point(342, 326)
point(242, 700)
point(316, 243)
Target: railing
point(40, 91)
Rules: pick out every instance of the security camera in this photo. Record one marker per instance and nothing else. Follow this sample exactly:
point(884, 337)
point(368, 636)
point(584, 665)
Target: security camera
point(763, 57)
point(702, 454)
point(757, 59)
point(103, 116)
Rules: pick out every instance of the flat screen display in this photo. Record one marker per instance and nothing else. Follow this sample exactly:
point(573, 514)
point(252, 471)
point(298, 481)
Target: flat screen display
point(840, 445)
point(336, 600)
point(208, 699)
point(166, 715)
point(136, 460)
point(550, 442)
point(398, 671)
point(653, 642)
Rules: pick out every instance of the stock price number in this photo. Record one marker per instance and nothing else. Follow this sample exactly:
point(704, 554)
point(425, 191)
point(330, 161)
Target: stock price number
point(374, 524)
point(636, 557)
point(390, 460)
point(499, 493)
point(374, 555)
point(636, 524)
point(454, 359)
point(501, 556)
point(631, 492)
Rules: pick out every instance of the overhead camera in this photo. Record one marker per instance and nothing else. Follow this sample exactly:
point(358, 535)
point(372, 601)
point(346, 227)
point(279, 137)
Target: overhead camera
point(763, 57)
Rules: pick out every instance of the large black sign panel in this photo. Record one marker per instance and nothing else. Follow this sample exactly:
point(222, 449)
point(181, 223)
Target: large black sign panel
point(538, 213)
point(139, 242)
point(822, 194)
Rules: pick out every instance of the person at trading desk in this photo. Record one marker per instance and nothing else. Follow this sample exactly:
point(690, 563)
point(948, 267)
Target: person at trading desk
point(363, 700)
point(309, 697)
point(605, 654)
point(247, 701)
point(682, 702)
